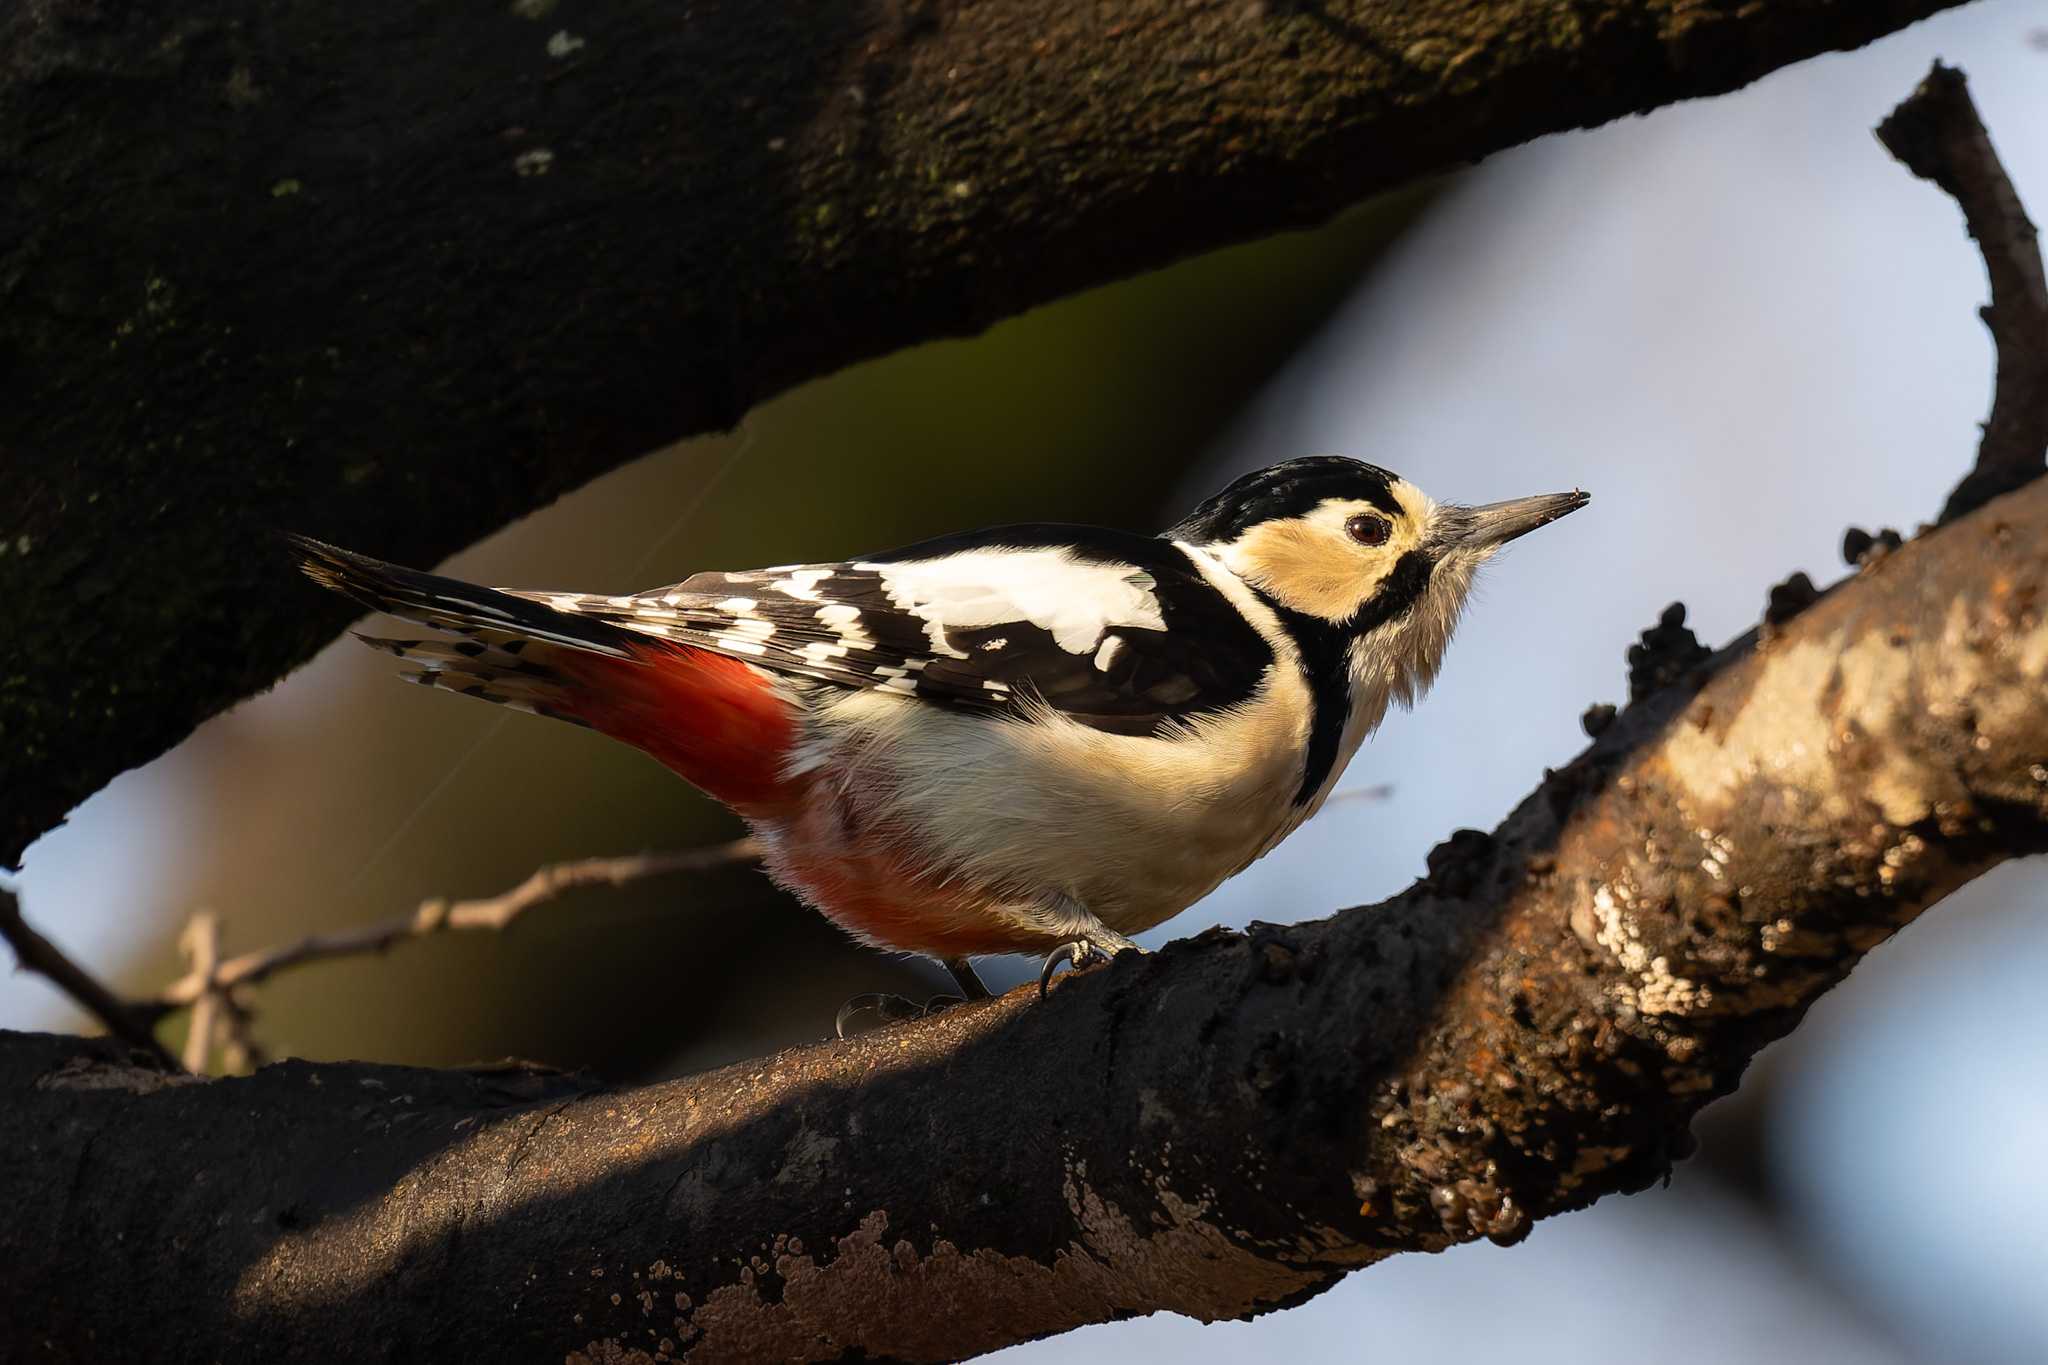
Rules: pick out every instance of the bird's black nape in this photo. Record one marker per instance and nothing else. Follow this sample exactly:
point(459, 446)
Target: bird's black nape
point(1288, 489)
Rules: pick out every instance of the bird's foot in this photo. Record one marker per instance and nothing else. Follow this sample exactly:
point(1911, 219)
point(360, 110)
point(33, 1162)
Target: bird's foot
point(967, 979)
point(895, 1009)
point(888, 1009)
point(1100, 945)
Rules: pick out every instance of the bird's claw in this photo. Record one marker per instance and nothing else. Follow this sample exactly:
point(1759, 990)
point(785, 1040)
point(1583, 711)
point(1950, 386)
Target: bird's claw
point(1080, 953)
point(889, 1009)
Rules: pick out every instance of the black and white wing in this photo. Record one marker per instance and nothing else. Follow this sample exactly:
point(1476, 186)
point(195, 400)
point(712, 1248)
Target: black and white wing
point(1118, 631)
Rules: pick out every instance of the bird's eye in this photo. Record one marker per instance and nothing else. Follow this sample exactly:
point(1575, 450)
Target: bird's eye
point(1367, 529)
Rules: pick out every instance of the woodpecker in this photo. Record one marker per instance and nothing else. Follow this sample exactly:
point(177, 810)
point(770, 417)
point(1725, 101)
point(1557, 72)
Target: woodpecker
point(1031, 739)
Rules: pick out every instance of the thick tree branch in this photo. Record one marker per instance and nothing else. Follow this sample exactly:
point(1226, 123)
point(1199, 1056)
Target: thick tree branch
point(1224, 1127)
point(405, 272)
point(1937, 134)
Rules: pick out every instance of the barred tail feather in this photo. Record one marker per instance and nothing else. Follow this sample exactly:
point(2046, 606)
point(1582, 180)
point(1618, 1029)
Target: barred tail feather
point(719, 722)
point(500, 671)
point(509, 649)
point(451, 604)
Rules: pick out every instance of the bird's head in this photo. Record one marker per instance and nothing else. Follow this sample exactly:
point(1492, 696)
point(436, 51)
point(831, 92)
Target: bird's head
point(1348, 550)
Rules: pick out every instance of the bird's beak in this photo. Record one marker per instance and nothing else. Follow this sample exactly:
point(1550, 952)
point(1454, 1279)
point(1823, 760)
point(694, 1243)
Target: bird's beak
point(1495, 524)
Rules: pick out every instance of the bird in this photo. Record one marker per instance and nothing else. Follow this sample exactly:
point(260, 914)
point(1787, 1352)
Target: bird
point(1036, 739)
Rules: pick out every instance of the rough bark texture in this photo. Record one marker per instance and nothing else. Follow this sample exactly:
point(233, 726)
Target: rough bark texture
point(395, 273)
point(1938, 136)
point(1219, 1129)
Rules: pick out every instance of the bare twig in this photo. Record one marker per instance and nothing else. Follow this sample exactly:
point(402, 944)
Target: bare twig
point(1938, 136)
point(434, 916)
point(201, 945)
point(220, 1015)
point(240, 1053)
point(37, 954)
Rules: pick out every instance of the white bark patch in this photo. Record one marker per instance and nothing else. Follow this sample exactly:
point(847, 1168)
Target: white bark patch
point(1783, 739)
point(1815, 698)
point(1656, 988)
point(1184, 1262)
point(1719, 851)
point(1825, 727)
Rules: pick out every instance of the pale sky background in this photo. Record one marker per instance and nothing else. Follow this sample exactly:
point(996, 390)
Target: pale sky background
point(1742, 327)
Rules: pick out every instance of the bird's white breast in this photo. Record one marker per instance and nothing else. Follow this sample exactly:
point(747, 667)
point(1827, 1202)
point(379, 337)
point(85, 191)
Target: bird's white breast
point(1038, 806)
point(1134, 828)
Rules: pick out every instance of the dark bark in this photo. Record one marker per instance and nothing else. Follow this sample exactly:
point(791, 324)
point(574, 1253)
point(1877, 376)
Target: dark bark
point(1937, 134)
point(1223, 1128)
point(396, 273)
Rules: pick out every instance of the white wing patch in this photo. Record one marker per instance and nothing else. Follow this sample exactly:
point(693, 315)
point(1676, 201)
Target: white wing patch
point(845, 621)
point(803, 584)
point(1072, 600)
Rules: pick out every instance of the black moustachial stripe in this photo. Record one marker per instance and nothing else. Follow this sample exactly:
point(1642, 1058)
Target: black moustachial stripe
point(1397, 594)
point(1289, 489)
point(1327, 671)
point(1326, 659)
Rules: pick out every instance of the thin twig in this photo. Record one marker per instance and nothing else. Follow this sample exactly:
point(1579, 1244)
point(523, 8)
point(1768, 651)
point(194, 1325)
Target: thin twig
point(220, 1016)
point(37, 954)
point(240, 1053)
point(1938, 136)
point(201, 945)
point(434, 916)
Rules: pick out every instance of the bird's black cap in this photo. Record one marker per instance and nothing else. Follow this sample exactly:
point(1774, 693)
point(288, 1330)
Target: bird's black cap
point(1287, 489)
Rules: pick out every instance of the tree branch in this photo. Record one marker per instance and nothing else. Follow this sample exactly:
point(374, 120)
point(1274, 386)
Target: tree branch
point(492, 252)
point(212, 987)
point(201, 943)
point(494, 913)
point(1219, 1129)
point(1938, 135)
point(34, 953)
